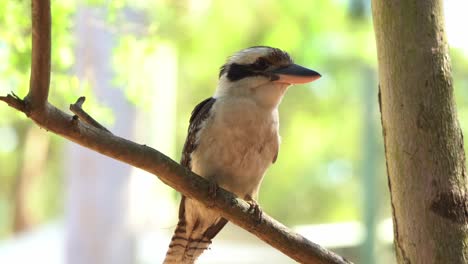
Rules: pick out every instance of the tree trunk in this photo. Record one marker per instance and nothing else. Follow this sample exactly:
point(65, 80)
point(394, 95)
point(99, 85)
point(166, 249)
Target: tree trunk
point(423, 141)
point(34, 162)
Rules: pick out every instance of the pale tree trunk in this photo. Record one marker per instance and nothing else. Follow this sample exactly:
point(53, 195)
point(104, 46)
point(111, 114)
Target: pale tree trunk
point(423, 141)
point(36, 147)
point(98, 221)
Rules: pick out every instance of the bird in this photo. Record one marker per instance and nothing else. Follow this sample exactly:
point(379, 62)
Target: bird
point(232, 139)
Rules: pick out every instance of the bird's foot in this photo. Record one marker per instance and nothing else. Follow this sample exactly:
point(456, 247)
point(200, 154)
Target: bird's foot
point(254, 208)
point(212, 189)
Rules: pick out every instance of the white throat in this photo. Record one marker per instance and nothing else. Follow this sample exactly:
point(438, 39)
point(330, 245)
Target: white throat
point(265, 93)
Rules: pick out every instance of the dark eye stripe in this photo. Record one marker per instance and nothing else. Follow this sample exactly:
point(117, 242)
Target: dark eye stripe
point(240, 71)
point(274, 57)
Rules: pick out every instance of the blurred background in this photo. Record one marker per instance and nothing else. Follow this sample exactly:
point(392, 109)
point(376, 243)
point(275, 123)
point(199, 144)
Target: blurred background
point(143, 66)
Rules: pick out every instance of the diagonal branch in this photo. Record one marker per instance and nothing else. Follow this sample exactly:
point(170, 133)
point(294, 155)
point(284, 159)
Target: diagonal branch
point(185, 181)
point(93, 136)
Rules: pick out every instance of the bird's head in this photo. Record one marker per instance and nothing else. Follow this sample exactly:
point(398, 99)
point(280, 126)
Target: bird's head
point(263, 73)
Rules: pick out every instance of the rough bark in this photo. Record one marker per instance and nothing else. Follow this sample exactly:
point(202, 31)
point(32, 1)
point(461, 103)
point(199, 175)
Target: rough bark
point(423, 141)
point(191, 185)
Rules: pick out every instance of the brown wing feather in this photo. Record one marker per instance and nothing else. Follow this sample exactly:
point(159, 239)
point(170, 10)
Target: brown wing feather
point(181, 239)
point(199, 114)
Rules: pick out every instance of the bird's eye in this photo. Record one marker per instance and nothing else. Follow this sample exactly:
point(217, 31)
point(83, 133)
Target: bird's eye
point(261, 64)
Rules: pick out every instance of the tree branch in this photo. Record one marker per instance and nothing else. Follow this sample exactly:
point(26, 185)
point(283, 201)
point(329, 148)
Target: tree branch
point(97, 138)
point(40, 68)
point(191, 185)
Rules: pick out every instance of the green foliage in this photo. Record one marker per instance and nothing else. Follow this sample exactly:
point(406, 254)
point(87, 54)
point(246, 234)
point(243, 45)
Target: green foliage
point(460, 82)
point(15, 47)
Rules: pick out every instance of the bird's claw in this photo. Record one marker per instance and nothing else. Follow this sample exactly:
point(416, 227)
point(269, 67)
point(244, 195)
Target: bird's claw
point(254, 209)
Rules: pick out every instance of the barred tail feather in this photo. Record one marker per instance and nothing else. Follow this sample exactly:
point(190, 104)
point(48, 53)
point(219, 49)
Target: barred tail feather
point(177, 246)
point(189, 241)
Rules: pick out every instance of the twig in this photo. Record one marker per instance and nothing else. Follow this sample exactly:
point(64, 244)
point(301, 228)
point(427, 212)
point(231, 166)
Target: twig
point(77, 109)
point(14, 101)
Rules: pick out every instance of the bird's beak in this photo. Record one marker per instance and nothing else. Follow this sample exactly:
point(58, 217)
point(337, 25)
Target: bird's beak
point(295, 74)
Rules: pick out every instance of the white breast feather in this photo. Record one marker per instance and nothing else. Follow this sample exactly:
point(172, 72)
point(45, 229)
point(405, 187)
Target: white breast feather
point(237, 144)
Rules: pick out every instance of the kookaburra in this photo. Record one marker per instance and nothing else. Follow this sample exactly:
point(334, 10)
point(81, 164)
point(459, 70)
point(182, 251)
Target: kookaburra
point(233, 138)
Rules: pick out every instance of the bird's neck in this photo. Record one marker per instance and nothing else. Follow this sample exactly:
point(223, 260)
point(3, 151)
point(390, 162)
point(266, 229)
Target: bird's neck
point(270, 96)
